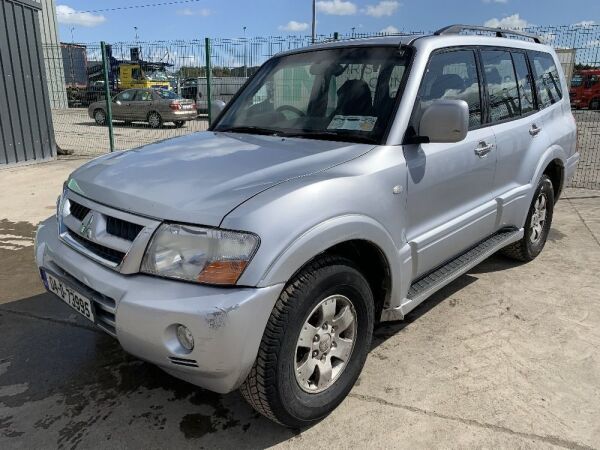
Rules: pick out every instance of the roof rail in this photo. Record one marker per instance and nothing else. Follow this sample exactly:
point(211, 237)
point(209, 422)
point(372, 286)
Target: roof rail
point(499, 32)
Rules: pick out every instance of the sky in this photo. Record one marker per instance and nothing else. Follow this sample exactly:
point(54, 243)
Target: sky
point(192, 19)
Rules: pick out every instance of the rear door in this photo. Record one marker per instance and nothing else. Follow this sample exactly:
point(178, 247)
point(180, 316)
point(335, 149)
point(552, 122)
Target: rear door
point(450, 206)
point(517, 115)
point(141, 104)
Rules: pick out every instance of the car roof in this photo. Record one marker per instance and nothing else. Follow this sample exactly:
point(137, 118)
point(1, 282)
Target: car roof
point(447, 36)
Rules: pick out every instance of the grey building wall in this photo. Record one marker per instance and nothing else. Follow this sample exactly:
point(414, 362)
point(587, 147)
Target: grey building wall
point(26, 133)
point(52, 54)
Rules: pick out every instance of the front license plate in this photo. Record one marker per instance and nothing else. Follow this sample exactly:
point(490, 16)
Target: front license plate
point(71, 297)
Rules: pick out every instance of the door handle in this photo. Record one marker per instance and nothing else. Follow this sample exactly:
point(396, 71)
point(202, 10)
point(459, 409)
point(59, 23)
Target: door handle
point(483, 149)
point(534, 130)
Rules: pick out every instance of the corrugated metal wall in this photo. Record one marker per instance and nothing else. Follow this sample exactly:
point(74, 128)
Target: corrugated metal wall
point(26, 133)
point(52, 54)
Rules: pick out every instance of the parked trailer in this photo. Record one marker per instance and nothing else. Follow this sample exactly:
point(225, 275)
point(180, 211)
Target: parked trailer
point(221, 88)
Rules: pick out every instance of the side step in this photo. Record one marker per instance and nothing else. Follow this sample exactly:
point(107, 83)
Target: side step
point(434, 281)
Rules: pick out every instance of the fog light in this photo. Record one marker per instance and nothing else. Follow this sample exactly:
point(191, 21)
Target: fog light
point(185, 337)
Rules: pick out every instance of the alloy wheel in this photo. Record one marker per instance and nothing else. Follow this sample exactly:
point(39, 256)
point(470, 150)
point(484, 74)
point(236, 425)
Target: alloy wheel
point(538, 219)
point(325, 344)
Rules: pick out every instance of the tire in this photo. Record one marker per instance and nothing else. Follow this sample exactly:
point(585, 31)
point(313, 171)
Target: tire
point(532, 244)
point(154, 120)
point(595, 104)
point(179, 123)
point(275, 386)
point(100, 117)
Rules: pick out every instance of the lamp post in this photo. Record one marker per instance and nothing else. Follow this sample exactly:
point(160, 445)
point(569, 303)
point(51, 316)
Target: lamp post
point(245, 55)
point(314, 21)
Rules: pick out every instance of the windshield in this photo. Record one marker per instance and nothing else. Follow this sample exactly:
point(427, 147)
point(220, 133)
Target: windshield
point(345, 94)
point(157, 75)
point(576, 81)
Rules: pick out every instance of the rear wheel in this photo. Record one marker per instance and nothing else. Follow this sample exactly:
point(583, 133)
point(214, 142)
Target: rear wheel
point(314, 346)
point(154, 120)
point(179, 123)
point(100, 117)
point(537, 225)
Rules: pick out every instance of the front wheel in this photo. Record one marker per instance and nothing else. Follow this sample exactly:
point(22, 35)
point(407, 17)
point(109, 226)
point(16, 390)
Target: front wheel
point(537, 224)
point(314, 346)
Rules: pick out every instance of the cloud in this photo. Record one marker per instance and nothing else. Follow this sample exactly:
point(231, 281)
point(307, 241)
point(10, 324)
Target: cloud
point(585, 23)
point(496, 1)
point(390, 30)
point(294, 26)
point(204, 12)
point(67, 15)
point(383, 8)
point(336, 7)
point(514, 22)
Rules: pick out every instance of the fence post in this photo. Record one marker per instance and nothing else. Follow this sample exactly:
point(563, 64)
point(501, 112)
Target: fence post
point(105, 65)
point(208, 71)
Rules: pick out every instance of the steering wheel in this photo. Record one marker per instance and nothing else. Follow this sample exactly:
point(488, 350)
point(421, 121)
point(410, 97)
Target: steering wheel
point(291, 109)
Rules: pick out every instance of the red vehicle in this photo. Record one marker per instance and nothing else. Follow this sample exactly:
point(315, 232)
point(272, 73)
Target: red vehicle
point(585, 89)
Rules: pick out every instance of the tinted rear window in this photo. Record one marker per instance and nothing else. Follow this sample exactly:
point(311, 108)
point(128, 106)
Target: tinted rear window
point(547, 80)
point(169, 95)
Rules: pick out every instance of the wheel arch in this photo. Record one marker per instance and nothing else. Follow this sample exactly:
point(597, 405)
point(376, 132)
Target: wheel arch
point(358, 238)
point(555, 170)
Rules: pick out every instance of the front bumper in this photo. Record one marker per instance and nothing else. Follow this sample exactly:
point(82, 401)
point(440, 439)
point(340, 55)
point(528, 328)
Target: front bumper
point(227, 323)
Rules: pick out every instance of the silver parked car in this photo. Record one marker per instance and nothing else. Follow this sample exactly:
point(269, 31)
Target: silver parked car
point(345, 184)
point(154, 106)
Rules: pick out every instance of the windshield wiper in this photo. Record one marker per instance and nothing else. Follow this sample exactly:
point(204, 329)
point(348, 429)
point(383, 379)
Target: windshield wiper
point(251, 130)
point(333, 136)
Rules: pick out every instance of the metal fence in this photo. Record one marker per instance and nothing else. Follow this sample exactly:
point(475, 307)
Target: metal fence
point(181, 66)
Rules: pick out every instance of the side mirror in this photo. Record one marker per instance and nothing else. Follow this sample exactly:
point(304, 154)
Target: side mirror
point(444, 121)
point(216, 106)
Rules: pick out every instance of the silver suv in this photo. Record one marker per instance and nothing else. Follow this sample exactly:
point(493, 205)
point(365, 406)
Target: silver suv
point(342, 186)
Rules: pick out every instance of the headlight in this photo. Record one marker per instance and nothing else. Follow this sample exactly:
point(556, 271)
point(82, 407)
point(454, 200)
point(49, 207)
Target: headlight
point(60, 203)
point(203, 255)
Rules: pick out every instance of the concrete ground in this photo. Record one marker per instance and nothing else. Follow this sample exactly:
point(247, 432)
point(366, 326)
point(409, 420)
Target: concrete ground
point(505, 357)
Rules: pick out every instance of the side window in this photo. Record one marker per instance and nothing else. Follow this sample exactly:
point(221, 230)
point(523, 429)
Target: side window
point(126, 96)
point(501, 85)
point(143, 96)
point(453, 76)
point(524, 83)
point(136, 73)
point(547, 80)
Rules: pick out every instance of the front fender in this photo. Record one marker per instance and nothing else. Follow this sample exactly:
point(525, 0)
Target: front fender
point(325, 235)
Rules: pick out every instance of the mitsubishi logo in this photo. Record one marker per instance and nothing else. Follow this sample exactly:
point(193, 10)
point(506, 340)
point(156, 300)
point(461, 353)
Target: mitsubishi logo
point(86, 226)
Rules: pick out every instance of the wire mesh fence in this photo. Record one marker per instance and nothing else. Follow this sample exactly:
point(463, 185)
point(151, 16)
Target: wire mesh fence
point(77, 87)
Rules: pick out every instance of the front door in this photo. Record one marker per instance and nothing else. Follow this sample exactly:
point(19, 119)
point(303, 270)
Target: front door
point(450, 204)
point(121, 105)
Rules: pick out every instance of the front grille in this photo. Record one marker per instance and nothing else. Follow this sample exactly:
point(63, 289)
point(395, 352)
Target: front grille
point(103, 252)
point(123, 229)
point(78, 211)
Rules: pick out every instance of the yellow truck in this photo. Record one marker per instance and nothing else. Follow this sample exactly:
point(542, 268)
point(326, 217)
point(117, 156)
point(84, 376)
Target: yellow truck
point(148, 75)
